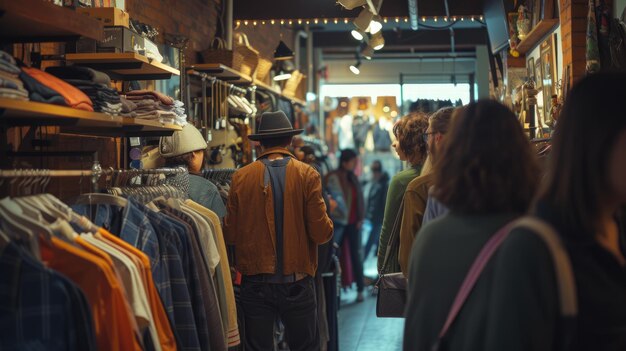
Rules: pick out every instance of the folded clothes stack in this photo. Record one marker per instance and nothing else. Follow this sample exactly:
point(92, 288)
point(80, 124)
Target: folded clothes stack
point(179, 110)
point(10, 84)
point(44, 87)
point(153, 105)
point(94, 84)
point(128, 107)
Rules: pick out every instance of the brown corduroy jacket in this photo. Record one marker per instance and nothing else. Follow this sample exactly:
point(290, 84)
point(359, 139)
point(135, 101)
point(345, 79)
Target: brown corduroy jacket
point(249, 224)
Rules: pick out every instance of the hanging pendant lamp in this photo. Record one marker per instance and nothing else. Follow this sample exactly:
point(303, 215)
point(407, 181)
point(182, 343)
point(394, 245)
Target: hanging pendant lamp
point(282, 52)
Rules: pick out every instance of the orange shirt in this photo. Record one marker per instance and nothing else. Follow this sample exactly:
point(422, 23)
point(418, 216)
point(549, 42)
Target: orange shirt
point(112, 322)
point(164, 329)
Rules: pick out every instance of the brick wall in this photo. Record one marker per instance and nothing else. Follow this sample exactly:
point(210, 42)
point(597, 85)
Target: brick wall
point(194, 19)
point(573, 30)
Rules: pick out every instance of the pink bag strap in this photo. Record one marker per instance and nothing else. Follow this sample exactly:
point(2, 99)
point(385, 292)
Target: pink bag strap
point(472, 276)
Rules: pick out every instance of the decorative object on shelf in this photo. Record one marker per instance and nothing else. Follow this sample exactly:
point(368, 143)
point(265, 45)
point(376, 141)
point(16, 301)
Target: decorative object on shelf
point(555, 111)
point(536, 10)
point(218, 53)
point(249, 54)
point(513, 35)
point(263, 69)
point(523, 23)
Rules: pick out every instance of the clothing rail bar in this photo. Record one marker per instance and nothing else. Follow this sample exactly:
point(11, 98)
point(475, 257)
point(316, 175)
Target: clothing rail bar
point(164, 171)
point(25, 173)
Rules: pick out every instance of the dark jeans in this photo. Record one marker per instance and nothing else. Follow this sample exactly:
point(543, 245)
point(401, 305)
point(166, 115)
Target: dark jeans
point(373, 240)
point(295, 304)
point(353, 235)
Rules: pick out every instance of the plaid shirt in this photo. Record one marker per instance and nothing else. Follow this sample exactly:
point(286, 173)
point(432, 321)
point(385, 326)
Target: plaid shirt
point(175, 257)
point(39, 309)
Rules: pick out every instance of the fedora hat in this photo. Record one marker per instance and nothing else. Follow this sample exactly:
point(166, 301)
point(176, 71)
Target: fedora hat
point(274, 125)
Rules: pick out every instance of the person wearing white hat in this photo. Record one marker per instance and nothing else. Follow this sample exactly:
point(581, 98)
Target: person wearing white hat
point(187, 148)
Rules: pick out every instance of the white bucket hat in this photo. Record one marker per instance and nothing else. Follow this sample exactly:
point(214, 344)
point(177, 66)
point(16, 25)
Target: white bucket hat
point(181, 142)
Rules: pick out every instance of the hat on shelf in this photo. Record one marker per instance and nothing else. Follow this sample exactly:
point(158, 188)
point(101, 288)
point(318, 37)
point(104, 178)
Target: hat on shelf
point(274, 125)
point(181, 142)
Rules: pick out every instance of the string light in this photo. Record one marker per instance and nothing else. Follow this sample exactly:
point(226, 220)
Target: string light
point(347, 20)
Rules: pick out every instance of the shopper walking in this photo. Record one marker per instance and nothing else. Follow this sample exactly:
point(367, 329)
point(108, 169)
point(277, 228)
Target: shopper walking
point(411, 147)
point(187, 148)
point(376, 206)
point(276, 220)
point(487, 175)
point(584, 188)
point(344, 186)
point(417, 191)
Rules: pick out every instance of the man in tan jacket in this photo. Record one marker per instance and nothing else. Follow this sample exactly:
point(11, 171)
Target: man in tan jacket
point(276, 220)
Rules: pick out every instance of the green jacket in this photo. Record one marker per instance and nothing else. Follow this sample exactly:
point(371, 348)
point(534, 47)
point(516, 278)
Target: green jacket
point(397, 187)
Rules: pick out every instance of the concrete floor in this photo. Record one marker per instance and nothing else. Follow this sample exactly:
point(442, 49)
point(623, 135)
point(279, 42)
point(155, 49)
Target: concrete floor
point(360, 329)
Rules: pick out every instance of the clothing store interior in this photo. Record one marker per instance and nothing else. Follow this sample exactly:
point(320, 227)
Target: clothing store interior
point(144, 145)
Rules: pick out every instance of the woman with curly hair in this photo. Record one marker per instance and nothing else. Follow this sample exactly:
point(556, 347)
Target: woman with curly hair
point(412, 148)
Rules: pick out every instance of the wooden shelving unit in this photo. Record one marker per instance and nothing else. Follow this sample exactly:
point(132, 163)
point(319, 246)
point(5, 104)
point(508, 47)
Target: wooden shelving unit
point(124, 66)
point(15, 113)
point(144, 127)
point(266, 87)
point(41, 21)
point(222, 72)
point(536, 35)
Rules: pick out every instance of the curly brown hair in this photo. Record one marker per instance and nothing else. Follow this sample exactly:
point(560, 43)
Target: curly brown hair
point(487, 164)
point(409, 130)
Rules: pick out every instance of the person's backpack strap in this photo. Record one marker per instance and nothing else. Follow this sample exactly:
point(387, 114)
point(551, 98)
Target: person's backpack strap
point(562, 266)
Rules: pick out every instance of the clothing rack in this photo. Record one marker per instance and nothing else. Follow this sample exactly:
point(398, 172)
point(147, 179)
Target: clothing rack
point(219, 173)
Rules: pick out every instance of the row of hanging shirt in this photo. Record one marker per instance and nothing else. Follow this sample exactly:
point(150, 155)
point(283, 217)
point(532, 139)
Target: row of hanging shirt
point(133, 276)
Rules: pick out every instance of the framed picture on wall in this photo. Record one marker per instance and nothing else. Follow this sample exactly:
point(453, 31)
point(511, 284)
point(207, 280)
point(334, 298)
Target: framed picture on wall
point(548, 63)
point(538, 74)
point(530, 69)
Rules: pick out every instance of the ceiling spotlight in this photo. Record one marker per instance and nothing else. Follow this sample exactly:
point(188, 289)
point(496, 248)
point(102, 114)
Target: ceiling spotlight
point(351, 4)
point(368, 52)
point(282, 75)
point(375, 25)
point(377, 41)
point(357, 34)
point(364, 19)
point(282, 52)
point(355, 68)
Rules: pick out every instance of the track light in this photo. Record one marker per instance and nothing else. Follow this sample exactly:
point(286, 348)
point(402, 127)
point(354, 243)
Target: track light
point(283, 52)
point(362, 22)
point(355, 68)
point(357, 34)
point(368, 52)
point(351, 4)
point(377, 41)
point(375, 25)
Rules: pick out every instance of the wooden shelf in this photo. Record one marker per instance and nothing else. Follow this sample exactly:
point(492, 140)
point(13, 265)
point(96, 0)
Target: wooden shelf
point(41, 21)
point(144, 127)
point(536, 35)
point(222, 72)
point(268, 88)
point(15, 113)
point(124, 66)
